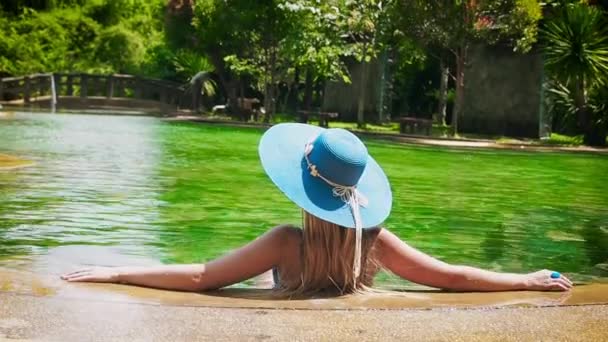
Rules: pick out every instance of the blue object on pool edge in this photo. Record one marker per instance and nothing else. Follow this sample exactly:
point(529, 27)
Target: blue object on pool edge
point(555, 275)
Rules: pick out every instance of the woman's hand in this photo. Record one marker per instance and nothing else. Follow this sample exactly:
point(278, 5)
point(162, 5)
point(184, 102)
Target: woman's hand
point(542, 281)
point(94, 274)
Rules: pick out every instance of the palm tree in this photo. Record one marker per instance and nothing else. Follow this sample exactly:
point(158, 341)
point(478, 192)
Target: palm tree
point(197, 70)
point(576, 54)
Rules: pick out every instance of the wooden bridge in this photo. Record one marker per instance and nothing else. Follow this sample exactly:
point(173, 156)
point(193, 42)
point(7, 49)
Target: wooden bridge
point(104, 92)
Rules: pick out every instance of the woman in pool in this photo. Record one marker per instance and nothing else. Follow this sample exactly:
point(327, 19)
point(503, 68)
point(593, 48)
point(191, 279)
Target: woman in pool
point(344, 196)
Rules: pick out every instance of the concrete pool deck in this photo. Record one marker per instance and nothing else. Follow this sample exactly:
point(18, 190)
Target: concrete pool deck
point(45, 308)
point(31, 318)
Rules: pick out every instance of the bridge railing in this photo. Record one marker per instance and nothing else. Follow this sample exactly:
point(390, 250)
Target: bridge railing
point(37, 87)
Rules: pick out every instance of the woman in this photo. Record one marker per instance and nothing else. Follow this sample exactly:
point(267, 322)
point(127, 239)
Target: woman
point(344, 196)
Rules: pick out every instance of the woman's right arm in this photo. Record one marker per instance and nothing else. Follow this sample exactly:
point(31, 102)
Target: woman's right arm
point(246, 262)
point(413, 265)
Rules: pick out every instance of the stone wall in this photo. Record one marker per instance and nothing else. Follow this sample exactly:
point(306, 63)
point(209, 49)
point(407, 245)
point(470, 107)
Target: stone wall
point(502, 93)
point(343, 98)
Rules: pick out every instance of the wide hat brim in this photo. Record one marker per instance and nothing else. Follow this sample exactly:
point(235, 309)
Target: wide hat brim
point(281, 152)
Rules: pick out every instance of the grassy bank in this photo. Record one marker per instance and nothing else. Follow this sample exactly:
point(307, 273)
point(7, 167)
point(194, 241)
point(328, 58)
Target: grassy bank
point(438, 131)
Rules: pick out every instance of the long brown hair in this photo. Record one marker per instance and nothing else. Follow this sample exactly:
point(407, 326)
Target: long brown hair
point(327, 259)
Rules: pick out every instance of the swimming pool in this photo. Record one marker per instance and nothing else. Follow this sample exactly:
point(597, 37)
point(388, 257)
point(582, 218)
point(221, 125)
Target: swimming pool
point(140, 187)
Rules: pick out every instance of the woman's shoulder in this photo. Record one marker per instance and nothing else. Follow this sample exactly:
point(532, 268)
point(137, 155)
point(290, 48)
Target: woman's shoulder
point(374, 231)
point(288, 233)
point(291, 244)
point(383, 234)
point(288, 229)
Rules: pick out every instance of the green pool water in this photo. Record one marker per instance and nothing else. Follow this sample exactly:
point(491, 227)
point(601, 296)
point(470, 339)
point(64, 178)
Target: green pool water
point(179, 192)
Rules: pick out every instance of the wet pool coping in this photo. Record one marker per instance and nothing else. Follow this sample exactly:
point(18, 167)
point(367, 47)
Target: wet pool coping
point(26, 283)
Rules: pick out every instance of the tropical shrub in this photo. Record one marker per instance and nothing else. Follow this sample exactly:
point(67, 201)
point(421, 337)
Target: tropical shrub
point(576, 58)
point(120, 49)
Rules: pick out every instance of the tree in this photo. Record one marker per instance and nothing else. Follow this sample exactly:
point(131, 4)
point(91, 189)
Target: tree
point(62, 40)
point(576, 54)
point(60, 36)
point(117, 38)
point(315, 43)
point(270, 41)
point(17, 6)
point(212, 38)
point(449, 27)
point(363, 24)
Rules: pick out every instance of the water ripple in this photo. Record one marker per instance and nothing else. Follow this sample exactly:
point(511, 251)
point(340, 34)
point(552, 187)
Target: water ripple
point(187, 193)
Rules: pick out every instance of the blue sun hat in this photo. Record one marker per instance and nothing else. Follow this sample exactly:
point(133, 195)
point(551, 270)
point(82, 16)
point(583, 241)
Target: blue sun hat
point(329, 174)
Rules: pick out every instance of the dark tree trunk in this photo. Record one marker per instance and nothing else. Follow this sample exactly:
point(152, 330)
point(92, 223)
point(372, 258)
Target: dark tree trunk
point(241, 88)
point(272, 91)
point(228, 82)
point(196, 96)
point(580, 101)
point(595, 129)
point(292, 92)
point(362, 93)
point(459, 100)
point(443, 92)
point(308, 89)
point(232, 94)
point(596, 135)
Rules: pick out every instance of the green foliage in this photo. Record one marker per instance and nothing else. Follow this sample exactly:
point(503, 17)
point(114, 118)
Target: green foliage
point(16, 7)
point(257, 45)
point(266, 42)
point(561, 106)
point(245, 67)
point(188, 63)
point(316, 39)
point(447, 28)
point(576, 44)
point(211, 19)
point(144, 17)
point(120, 49)
point(598, 103)
point(191, 66)
point(560, 139)
point(432, 23)
point(98, 36)
point(107, 13)
point(61, 40)
point(450, 24)
point(178, 30)
point(364, 22)
point(306, 34)
point(514, 22)
point(576, 57)
point(159, 63)
point(410, 63)
point(564, 109)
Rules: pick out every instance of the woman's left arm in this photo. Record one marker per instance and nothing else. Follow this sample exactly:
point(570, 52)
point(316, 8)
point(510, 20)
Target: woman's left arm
point(411, 264)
